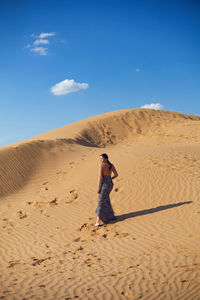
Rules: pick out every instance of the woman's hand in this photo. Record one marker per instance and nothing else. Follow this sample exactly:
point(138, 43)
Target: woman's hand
point(98, 191)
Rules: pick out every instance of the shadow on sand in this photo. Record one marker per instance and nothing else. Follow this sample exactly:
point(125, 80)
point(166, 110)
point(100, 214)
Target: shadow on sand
point(123, 217)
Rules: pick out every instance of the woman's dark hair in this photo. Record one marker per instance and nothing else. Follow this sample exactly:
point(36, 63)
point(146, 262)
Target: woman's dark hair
point(104, 155)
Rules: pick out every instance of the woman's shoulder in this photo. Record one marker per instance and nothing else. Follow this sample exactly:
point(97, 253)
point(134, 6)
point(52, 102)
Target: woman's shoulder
point(102, 165)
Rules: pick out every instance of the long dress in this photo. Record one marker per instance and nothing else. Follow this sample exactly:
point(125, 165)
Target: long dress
point(104, 209)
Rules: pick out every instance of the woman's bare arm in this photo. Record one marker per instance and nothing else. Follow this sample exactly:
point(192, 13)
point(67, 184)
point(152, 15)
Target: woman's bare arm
point(100, 178)
point(114, 171)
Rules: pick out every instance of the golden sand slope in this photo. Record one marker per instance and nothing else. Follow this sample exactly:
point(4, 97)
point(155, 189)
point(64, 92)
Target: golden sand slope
point(49, 246)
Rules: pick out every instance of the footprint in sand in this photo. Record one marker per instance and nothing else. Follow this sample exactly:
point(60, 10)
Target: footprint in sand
point(22, 214)
point(13, 263)
point(50, 203)
point(80, 248)
point(8, 223)
point(72, 164)
point(120, 234)
point(53, 202)
point(45, 182)
point(73, 195)
point(77, 239)
point(37, 261)
point(4, 292)
point(44, 212)
point(40, 203)
point(87, 226)
point(43, 188)
point(61, 173)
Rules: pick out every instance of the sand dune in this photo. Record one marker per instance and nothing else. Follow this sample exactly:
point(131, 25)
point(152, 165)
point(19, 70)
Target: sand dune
point(49, 246)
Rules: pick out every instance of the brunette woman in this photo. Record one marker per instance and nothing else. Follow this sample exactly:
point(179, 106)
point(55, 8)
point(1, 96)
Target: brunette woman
point(104, 209)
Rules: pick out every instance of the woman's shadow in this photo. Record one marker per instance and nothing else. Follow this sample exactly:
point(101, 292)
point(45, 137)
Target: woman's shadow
point(147, 211)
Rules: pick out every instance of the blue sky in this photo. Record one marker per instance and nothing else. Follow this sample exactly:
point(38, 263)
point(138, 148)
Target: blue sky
point(63, 61)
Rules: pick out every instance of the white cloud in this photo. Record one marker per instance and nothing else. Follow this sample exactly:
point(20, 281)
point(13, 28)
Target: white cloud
point(157, 106)
point(40, 50)
point(137, 70)
point(41, 41)
point(68, 86)
point(44, 35)
point(38, 41)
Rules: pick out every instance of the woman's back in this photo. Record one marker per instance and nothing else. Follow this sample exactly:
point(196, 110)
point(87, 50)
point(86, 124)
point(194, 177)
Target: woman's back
point(107, 170)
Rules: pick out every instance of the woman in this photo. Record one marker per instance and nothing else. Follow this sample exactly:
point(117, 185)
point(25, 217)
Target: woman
point(104, 209)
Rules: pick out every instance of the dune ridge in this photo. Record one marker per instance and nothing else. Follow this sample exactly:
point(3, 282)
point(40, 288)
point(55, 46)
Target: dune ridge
point(20, 160)
point(48, 197)
point(111, 128)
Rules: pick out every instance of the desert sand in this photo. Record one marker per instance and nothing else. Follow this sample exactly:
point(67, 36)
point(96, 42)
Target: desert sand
point(49, 246)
